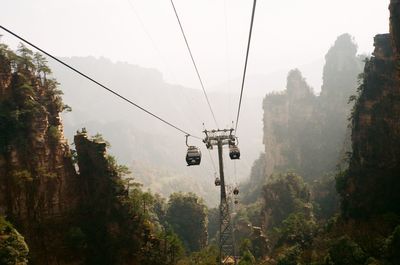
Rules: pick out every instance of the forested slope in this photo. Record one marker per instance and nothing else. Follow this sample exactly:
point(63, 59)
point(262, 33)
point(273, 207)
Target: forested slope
point(73, 206)
point(300, 219)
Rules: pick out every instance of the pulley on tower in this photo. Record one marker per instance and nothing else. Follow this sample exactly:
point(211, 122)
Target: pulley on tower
point(193, 155)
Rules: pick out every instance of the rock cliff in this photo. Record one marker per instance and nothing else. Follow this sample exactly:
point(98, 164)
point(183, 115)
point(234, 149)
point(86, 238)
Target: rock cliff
point(304, 132)
point(395, 25)
point(37, 176)
point(372, 182)
point(71, 207)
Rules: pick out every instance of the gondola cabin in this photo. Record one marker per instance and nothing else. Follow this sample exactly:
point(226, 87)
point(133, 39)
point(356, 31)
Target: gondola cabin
point(234, 152)
point(193, 156)
point(217, 182)
point(236, 191)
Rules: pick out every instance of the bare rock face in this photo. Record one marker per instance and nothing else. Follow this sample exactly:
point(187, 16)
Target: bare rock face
point(371, 185)
point(395, 25)
point(66, 217)
point(282, 114)
point(307, 133)
point(37, 177)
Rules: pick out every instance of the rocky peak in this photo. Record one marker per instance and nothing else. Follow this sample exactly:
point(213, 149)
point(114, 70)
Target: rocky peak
point(395, 25)
point(297, 86)
point(371, 184)
point(305, 132)
point(340, 73)
point(40, 189)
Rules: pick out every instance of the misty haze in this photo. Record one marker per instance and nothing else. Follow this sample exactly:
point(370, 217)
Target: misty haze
point(207, 132)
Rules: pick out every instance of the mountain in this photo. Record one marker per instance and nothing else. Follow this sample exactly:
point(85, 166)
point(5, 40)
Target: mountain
point(139, 140)
point(370, 185)
point(298, 218)
point(257, 85)
point(64, 206)
point(304, 132)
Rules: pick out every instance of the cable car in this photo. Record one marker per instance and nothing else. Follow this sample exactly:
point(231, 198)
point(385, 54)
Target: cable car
point(236, 202)
point(236, 191)
point(193, 156)
point(234, 152)
point(217, 182)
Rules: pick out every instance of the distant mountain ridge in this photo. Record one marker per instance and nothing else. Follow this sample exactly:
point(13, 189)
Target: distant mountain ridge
point(135, 136)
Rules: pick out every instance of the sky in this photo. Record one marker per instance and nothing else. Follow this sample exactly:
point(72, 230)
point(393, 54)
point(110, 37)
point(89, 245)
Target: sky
point(287, 34)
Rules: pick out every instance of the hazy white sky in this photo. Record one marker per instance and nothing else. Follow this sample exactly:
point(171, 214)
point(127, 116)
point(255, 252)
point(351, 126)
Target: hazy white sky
point(287, 34)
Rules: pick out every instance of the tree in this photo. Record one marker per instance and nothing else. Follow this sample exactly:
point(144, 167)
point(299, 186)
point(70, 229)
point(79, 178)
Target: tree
point(392, 247)
point(247, 257)
point(13, 249)
point(187, 216)
point(284, 195)
point(346, 252)
point(206, 256)
point(25, 60)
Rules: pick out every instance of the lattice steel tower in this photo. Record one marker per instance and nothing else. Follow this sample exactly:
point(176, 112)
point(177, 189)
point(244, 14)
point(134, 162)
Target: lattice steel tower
point(227, 253)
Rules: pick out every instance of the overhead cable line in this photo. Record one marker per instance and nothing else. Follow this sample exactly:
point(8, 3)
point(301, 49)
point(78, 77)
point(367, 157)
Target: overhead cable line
point(212, 161)
point(228, 72)
point(162, 58)
point(245, 64)
point(98, 83)
point(194, 62)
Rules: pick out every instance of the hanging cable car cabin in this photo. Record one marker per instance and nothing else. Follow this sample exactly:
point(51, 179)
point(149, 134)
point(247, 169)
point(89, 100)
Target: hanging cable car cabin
point(234, 152)
point(193, 156)
point(217, 182)
point(236, 191)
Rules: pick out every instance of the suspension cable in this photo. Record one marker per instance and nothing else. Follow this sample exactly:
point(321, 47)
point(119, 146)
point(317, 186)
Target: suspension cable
point(212, 161)
point(194, 62)
point(98, 83)
point(228, 71)
point(245, 64)
point(235, 173)
point(162, 59)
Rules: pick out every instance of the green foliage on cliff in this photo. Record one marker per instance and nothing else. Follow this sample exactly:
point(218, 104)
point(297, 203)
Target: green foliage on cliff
point(247, 258)
point(253, 188)
point(325, 197)
point(284, 195)
point(370, 185)
point(290, 256)
point(117, 220)
point(29, 94)
point(344, 251)
point(106, 217)
point(392, 247)
point(13, 249)
point(187, 216)
point(206, 256)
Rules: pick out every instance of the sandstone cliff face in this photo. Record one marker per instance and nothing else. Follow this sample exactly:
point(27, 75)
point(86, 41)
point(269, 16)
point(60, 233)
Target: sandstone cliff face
point(284, 115)
point(103, 213)
point(66, 217)
point(395, 25)
point(304, 132)
point(372, 182)
point(37, 177)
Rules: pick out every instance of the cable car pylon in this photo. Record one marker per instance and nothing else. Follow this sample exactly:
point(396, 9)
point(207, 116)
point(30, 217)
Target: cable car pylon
point(227, 252)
